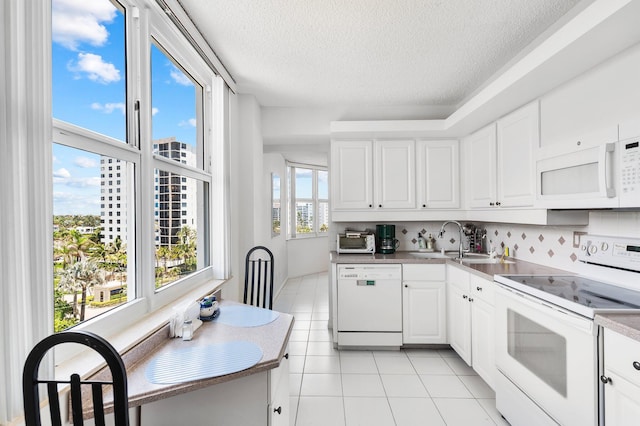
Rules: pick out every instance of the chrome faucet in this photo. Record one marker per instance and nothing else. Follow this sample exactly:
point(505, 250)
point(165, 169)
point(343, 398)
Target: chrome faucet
point(441, 233)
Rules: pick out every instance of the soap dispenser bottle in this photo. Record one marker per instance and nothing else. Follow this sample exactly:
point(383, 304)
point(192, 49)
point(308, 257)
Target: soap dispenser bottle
point(431, 243)
point(422, 244)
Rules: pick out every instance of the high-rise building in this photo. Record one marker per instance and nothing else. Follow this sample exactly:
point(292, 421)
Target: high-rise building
point(174, 195)
point(113, 199)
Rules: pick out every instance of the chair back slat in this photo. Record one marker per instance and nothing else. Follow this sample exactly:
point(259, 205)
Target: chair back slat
point(76, 400)
point(259, 276)
point(98, 404)
point(54, 404)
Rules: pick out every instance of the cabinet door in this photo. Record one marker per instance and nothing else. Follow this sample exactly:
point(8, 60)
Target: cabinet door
point(459, 321)
point(279, 409)
point(621, 401)
point(424, 317)
point(481, 168)
point(482, 340)
point(437, 164)
point(351, 175)
point(518, 134)
point(394, 174)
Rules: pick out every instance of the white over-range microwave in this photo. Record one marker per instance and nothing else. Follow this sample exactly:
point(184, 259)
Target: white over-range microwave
point(605, 176)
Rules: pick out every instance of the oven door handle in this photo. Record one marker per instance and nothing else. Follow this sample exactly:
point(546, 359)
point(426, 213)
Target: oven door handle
point(568, 317)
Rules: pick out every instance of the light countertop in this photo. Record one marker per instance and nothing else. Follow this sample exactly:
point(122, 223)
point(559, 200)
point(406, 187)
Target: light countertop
point(485, 270)
point(625, 324)
point(272, 339)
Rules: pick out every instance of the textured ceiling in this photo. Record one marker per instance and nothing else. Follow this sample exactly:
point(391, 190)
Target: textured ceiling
point(369, 52)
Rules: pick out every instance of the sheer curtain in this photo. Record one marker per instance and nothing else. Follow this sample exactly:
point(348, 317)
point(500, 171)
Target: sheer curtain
point(26, 287)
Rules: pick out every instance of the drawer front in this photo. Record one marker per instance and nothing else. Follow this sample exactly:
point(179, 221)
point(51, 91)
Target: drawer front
point(622, 355)
point(423, 272)
point(482, 289)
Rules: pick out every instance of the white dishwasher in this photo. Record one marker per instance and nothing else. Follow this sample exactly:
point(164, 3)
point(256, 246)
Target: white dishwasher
point(369, 305)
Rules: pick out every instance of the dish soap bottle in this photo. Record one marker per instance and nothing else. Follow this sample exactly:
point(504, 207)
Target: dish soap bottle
point(431, 243)
point(422, 244)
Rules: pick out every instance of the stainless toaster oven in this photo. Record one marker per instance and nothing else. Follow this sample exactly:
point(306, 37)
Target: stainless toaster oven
point(356, 242)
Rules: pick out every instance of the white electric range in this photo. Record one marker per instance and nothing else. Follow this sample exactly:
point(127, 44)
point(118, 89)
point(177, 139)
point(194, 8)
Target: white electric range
point(547, 346)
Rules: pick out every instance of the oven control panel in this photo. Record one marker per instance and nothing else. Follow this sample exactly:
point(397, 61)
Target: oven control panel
point(617, 252)
point(629, 172)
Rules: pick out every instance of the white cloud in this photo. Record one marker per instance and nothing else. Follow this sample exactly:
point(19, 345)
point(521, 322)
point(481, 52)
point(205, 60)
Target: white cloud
point(61, 173)
point(179, 77)
point(85, 163)
point(154, 111)
point(109, 107)
point(72, 182)
point(95, 68)
point(190, 122)
point(81, 21)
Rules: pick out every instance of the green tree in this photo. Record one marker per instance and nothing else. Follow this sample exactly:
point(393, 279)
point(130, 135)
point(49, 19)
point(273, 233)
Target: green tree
point(81, 276)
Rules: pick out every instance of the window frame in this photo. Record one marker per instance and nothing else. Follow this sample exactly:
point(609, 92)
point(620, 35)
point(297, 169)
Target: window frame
point(315, 200)
point(143, 26)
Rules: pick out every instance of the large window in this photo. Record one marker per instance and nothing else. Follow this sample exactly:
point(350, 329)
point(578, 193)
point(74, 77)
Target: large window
point(131, 135)
point(308, 201)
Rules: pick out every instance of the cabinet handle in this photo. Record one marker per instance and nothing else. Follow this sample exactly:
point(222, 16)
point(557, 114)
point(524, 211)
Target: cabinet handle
point(286, 356)
point(470, 299)
point(636, 365)
point(498, 203)
point(370, 205)
point(479, 288)
point(278, 410)
point(406, 286)
point(379, 205)
point(424, 205)
point(464, 296)
point(605, 379)
point(578, 143)
point(492, 203)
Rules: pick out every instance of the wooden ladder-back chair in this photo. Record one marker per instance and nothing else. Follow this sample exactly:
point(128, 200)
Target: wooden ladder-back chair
point(31, 382)
point(258, 277)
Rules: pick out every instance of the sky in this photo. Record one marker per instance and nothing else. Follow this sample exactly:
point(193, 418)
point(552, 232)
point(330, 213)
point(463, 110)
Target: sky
point(89, 70)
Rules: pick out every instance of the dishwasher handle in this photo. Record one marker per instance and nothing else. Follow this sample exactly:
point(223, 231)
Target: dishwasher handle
point(366, 282)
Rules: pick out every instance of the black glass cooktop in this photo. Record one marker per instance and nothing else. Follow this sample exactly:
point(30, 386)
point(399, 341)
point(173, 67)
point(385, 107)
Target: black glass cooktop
point(576, 293)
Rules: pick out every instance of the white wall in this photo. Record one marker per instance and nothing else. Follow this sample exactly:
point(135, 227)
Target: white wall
point(251, 194)
point(308, 256)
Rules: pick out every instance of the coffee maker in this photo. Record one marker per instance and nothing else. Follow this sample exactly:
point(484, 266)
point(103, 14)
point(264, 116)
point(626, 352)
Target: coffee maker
point(386, 239)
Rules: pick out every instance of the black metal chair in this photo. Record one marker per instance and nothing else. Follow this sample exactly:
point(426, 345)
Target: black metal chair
point(31, 382)
point(258, 274)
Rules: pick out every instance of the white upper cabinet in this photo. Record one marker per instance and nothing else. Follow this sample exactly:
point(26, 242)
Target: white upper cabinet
point(373, 175)
point(395, 174)
point(500, 161)
point(438, 174)
point(518, 137)
point(481, 167)
point(352, 175)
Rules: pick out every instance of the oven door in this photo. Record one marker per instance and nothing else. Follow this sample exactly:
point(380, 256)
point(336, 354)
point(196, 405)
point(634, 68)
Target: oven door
point(549, 354)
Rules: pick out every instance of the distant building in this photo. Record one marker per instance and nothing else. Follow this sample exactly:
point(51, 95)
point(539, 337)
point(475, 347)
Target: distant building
point(174, 195)
point(113, 199)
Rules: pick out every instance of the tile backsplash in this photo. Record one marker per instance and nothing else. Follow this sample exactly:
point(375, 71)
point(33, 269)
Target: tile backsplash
point(548, 245)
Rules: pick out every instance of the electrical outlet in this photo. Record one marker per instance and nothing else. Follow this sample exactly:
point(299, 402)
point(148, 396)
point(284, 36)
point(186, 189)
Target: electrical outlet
point(576, 238)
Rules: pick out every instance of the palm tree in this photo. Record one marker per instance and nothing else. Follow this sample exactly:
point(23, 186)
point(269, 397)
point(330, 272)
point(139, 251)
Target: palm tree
point(81, 276)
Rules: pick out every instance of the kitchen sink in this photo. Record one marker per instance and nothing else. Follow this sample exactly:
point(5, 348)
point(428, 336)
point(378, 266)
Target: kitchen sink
point(433, 255)
point(480, 260)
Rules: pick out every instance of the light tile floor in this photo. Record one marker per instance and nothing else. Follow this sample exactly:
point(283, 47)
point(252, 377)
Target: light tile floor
point(386, 388)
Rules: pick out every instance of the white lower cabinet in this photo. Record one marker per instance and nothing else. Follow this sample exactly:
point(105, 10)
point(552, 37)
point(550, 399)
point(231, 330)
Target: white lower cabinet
point(459, 312)
point(279, 410)
point(622, 373)
point(471, 321)
point(424, 319)
point(240, 401)
point(482, 329)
